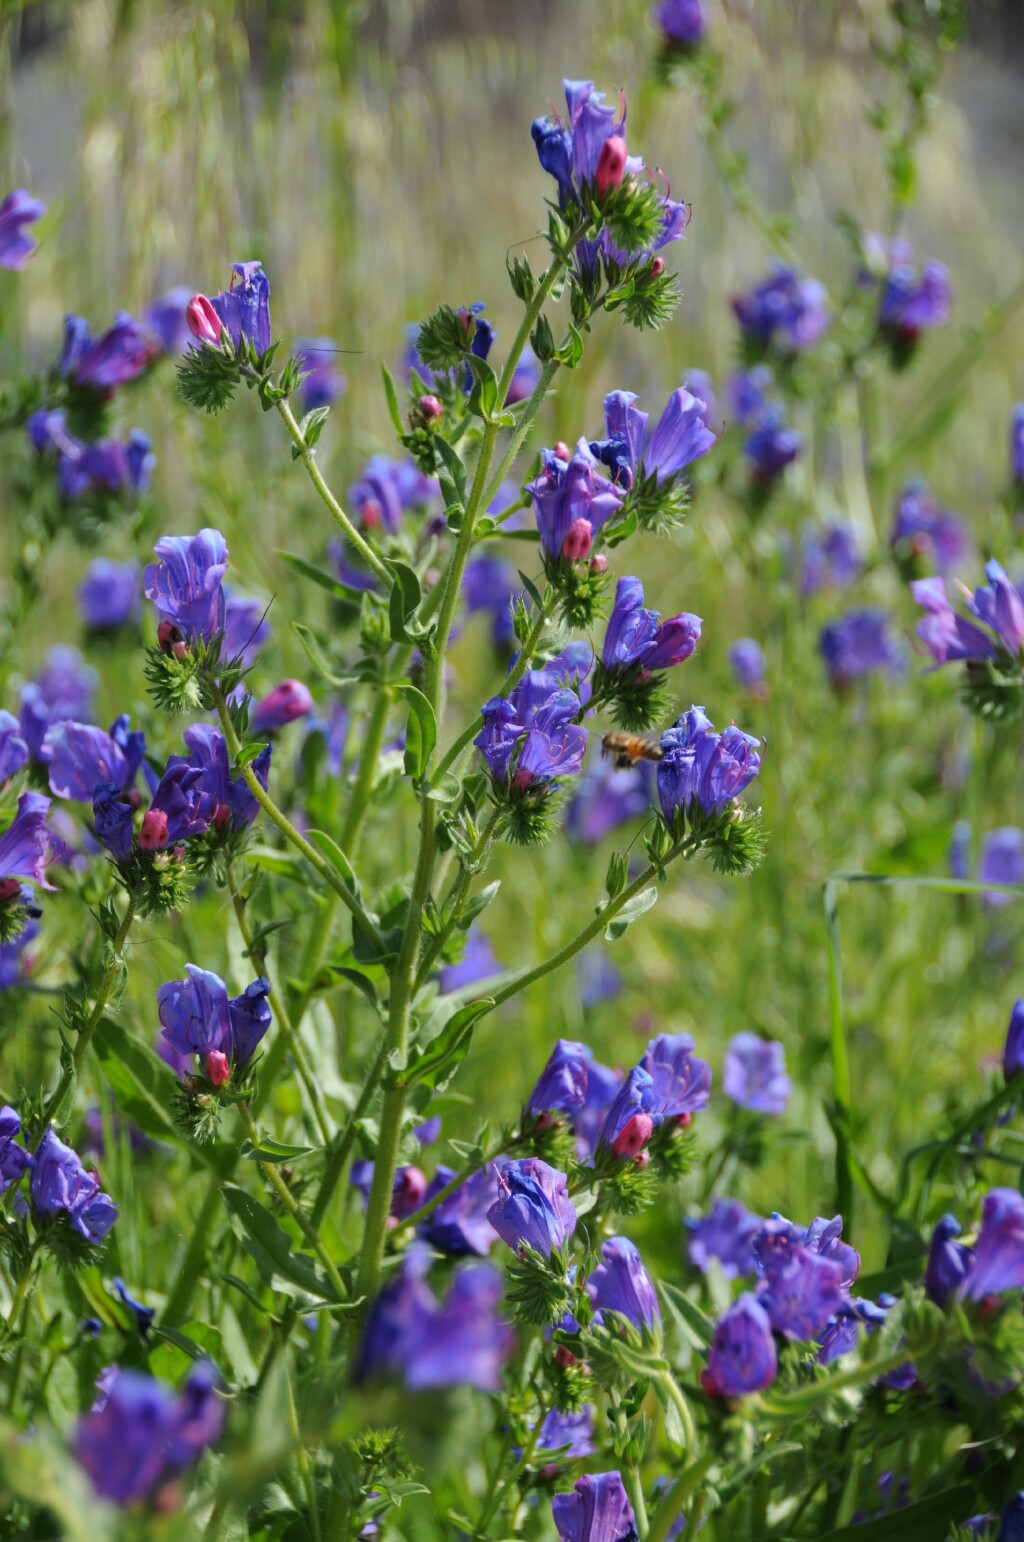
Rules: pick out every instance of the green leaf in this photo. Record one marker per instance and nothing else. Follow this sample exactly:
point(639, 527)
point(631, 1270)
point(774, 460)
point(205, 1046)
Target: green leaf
point(314, 652)
point(694, 1324)
point(271, 1249)
point(531, 589)
point(362, 982)
point(335, 856)
point(317, 576)
point(143, 1085)
point(477, 904)
point(38, 1470)
point(403, 600)
point(448, 789)
point(249, 753)
point(421, 730)
point(280, 862)
point(312, 425)
point(631, 911)
point(484, 396)
point(572, 352)
point(927, 1521)
point(442, 1057)
point(391, 397)
point(272, 1151)
point(456, 471)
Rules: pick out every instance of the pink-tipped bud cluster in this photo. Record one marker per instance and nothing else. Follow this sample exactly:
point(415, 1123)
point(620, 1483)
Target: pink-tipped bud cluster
point(153, 835)
point(656, 268)
point(215, 1064)
point(562, 450)
point(286, 703)
point(202, 320)
point(611, 165)
point(170, 640)
point(633, 1137)
point(430, 409)
point(577, 540)
point(599, 565)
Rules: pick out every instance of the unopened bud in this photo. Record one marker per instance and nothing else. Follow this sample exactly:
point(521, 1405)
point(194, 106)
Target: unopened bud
point(631, 1140)
point(577, 541)
point(153, 835)
point(466, 319)
point(521, 780)
point(170, 639)
point(410, 1188)
point(562, 451)
point(683, 1121)
point(430, 409)
point(643, 1160)
point(286, 703)
point(656, 268)
point(611, 164)
point(564, 1358)
point(599, 565)
point(9, 887)
point(202, 320)
point(371, 515)
point(221, 816)
point(215, 1064)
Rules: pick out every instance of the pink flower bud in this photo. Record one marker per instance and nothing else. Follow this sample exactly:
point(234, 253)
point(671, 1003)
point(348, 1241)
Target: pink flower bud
point(408, 1193)
point(599, 565)
point(9, 887)
point(565, 1357)
point(683, 1121)
point(563, 451)
point(611, 164)
point(170, 639)
point(287, 702)
point(371, 515)
point(643, 1160)
point(203, 321)
point(153, 834)
point(215, 1064)
point(577, 541)
point(221, 816)
point(656, 268)
point(521, 780)
point(466, 319)
point(632, 1139)
point(430, 409)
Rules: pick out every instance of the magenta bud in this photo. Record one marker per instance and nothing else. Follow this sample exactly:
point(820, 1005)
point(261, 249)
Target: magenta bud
point(632, 1139)
point(563, 451)
point(599, 565)
point(9, 887)
point(169, 638)
point(577, 541)
point(221, 816)
point(466, 319)
point(611, 164)
point(430, 408)
point(286, 703)
point(215, 1064)
point(371, 515)
point(683, 1121)
point(643, 1160)
point(656, 268)
point(521, 780)
point(410, 1188)
point(202, 320)
point(565, 1358)
point(153, 835)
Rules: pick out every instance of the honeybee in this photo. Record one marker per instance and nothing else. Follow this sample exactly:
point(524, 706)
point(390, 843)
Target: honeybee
point(627, 749)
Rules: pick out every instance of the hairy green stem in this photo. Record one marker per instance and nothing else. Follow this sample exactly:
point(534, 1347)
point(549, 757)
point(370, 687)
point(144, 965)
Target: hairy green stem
point(114, 963)
point(337, 1153)
point(522, 428)
point(319, 863)
point(456, 897)
point(298, 1215)
point(513, 678)
point(341, 519)
point(281, 1014)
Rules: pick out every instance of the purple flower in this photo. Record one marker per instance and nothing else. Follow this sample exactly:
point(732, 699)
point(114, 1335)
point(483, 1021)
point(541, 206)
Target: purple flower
point(143, 1314)
point(683, 23)
point(13, 749)
point(997, 1263)
point(947, 636)
point(386, 491)
point(14, 1160)
point(460, 1341)
point(233, 803)
point(998, 606)
point(746, 660)
point(562, 1085)
point(638, 638)
point(597, 1510)
point(843, 1331)
point(61, 1185)
point(186, 584)
point(571, 154)
point(859, 644)
point(27, 845)
point(726, 1234)
point(1017, 444)
point(81, 757)
point(477, 963)
point(574, 1431)
point(800, 1292)
point(244, 308)
point(109, 595)
point(1001, 861)
point(948, 1261)
point(64, 688)
point(182, 806)
point(566, 491)
point(742, 1357)
point(681, 437)
point(788, 309)
point(777, 1239)
point(748, 393)
point(104, 466)
point(526, 745)
point(198, 1017)
point(460, 1225)
point(286, 703)
point(533, 1208)
point(165, 320)
point(113, 820)
point(910, 301)
point(922, 532)
point(139, 1433)
point(772, 445)
point(702, 766)
point(1013, 1050)
point(107, 362)
point(831, 556)
point(606, 798)
point(620, 1283)
point(755, 1074)
point(603, 1086)
point(325, 384)
point(18, 210)
point(680, 1083)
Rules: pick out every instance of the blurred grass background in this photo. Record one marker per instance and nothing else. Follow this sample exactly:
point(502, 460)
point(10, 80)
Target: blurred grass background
point(377, 159)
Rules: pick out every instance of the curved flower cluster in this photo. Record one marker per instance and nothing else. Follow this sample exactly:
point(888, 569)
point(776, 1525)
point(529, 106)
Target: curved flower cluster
point(198, 1018)
point(702, 768)
point(139, 1434)
point(59, 1185)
